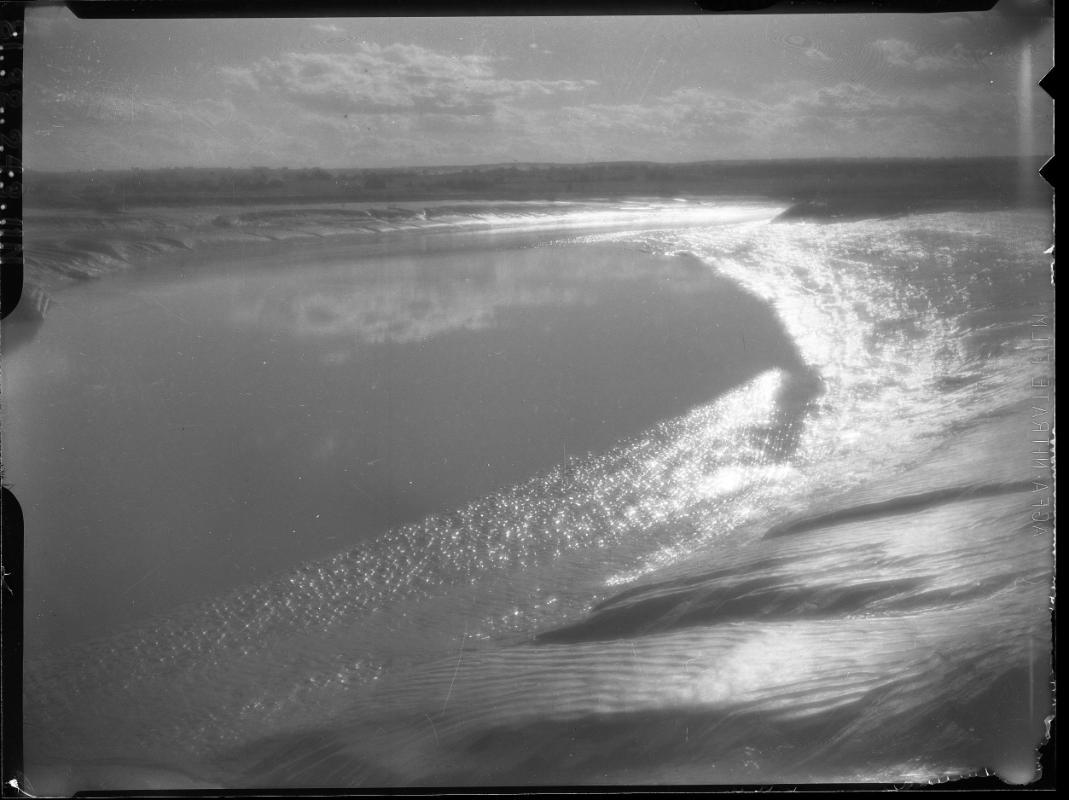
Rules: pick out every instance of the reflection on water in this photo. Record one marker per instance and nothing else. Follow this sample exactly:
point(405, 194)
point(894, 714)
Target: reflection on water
point(206, 433)
point(849, 599)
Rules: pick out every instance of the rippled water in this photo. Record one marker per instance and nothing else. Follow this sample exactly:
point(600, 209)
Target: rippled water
point(790, 537)
point(204, 432)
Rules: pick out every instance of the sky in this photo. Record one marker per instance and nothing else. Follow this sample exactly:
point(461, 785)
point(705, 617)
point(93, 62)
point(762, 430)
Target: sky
point(107, 94)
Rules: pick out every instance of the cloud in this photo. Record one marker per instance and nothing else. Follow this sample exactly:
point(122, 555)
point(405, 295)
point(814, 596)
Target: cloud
point(854, 100)
point(395, 78)
point(901, 54)
point(407, 307)
point(683, 115)
point(113, 106)
point(896, 52)
point(854, 119)
point(817, 54)
point(846, 119)
point(355, 102)
point(115, 126)
point(327, 28)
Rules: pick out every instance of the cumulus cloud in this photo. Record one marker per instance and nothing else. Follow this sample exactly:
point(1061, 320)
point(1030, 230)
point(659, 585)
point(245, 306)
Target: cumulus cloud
point(340, 100)
point(394, 78)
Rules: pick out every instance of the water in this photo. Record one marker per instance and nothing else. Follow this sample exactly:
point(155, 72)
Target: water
point(208, 430)
point(554, 468)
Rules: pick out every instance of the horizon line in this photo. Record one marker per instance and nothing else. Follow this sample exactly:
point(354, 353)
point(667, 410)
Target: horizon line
point(506, 164)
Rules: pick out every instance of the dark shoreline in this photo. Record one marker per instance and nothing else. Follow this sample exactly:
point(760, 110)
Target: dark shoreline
point(140, 216)
point(184, 241)
point(997, 179)
point(179, 217)
point(63, 248)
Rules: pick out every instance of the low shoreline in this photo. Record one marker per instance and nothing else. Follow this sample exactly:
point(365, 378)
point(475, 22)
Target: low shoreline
point(64, 248)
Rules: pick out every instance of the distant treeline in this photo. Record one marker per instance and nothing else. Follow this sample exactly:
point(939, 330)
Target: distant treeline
point(820, 187)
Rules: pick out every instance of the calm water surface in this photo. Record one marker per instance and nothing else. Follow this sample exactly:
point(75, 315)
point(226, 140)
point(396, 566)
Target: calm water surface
point(171, 436)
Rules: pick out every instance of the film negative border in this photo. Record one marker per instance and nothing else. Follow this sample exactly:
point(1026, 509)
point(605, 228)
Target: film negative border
point(11, 273)
point(11, 255)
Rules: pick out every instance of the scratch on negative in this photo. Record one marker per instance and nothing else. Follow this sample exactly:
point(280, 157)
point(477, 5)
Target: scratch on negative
point(434, 728)
point(141, 580)
point(456, 669)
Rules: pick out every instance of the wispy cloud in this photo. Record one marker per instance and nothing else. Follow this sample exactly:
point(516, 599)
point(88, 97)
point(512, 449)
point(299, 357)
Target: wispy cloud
point(407, 92)
point(327, 28)
point(376, 79)
point(854, 100)
point(816, 54)
point(114, 106)
point(904, 55)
